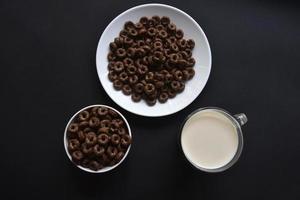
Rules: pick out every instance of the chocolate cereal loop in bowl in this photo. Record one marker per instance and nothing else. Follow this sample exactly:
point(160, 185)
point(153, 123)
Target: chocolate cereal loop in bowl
point(97, 138)
point(153, 60)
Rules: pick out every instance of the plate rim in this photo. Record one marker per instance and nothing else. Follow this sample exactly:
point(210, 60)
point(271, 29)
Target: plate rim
point(172, 8)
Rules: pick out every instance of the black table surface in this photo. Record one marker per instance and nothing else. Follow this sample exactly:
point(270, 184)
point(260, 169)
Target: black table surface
point(48, 72)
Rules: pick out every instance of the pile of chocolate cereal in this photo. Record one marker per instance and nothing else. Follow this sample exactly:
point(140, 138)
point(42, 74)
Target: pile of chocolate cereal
point(97, 137)
point(151, 60)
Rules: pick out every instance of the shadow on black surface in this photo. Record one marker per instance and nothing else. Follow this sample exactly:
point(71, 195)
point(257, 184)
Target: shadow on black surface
point(93, 185)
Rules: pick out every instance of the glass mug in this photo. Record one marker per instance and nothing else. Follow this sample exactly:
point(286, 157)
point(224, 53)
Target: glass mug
point(211, 138)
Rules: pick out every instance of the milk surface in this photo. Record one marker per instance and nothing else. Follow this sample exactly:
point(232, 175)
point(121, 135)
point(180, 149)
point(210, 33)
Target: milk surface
point(209, 139)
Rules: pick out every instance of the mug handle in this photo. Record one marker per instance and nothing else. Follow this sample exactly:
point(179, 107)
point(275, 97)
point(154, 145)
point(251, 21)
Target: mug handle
point(241, 118)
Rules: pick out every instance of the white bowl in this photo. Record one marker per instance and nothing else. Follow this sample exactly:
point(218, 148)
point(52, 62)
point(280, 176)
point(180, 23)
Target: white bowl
point(105, 169)
point(201, 53)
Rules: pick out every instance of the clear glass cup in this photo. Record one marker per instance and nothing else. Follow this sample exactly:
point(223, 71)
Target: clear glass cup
point(238, 120)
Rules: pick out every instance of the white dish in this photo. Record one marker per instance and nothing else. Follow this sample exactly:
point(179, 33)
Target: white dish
point(201, 53)
point(105, 169)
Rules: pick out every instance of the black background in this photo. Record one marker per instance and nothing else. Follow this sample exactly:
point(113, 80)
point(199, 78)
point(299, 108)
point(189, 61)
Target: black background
point(48, 72)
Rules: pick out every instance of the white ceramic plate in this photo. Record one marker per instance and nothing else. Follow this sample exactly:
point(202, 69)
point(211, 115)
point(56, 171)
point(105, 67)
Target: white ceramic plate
point(201, 53)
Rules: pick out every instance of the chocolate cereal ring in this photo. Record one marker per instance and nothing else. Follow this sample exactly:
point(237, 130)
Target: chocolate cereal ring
point(185, 75)
point(163, 97)
point(102, 111)
point(179, 34)
point(144, 21)
point(160, 27)
point(171, 93)
point(140, 43)
point(191, 72)
point(112, 151)
point(171, 28)
point(140, 52)
point(181, 87)
point(112, 76)
point(103, 130)
point(139, 88)
point(73, 128)
point(119, 41)
point(127, 62)
point(74, 144)
point(142, 32)
point(86, 149)
point(191, 62)
point(149, 88)
point(172, 39)
point(131, 69)
point(121, 52)
point(184, 54)
point(94, 165)
point(119, 156)
point(157, 44)
point(151, 32)
point(165, 20)
point(178, 75)
point(162, 34)
point(126, 140)
point(138, 25)
point(130, 52)
point(159, 76)
point(91, 139)
point(143, 69)
point(104, 159)
point(151, 102)
point(118, 67)
point(175, 85)
point(98, 150)
point(113, 113)
point(115, 139)
point(122, 131)
point(136, 97)
point(129, 25)
point(123, 33)
point(174, 47)
point(111, 56)
point(188, 52)
point(190, 43)
point(159, 84)
point(149, 77)
point(83, 115)
point(94, 111)
point(119, 122)
point(182, 43)
point(151, 22)
point(87, 129)
point(113, 46)
point(81, 136)
point(111, 65)
point(156, 19)
point(174, 58)
point(169, 78)
point(85, 162)
point(105, 123)
point(94, 122)
point(126, 89)
point(147, 49)
point(133, 32)
point(77, 156)
point(103, 139)
point(123, 77)
point(133, 79)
